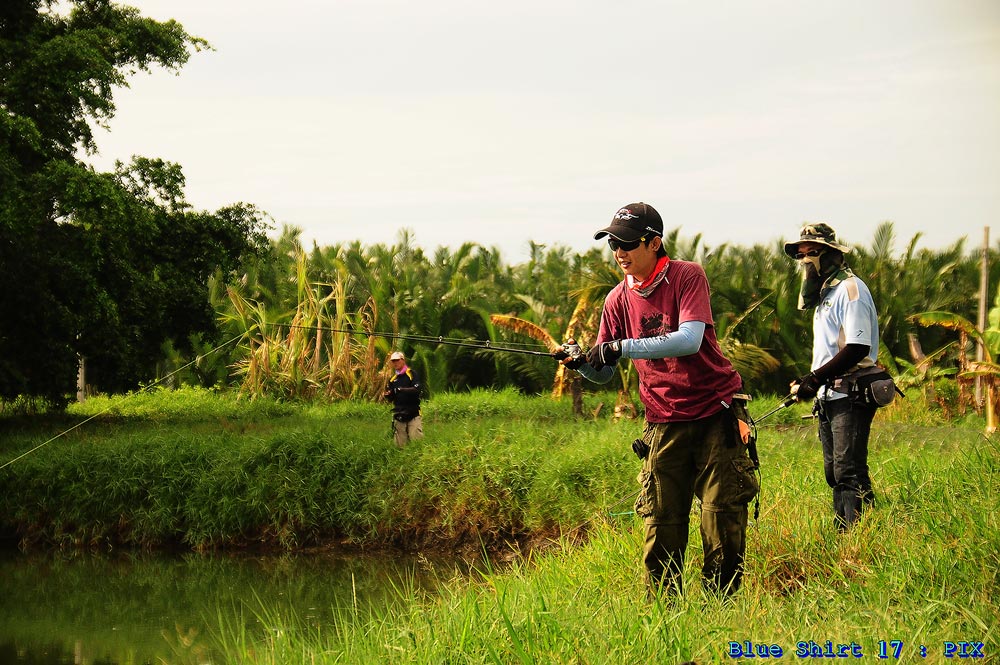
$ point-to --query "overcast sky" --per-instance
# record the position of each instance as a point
(506, 122)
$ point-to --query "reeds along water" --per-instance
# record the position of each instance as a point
(304, 356)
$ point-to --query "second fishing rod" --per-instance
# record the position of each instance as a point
(485, 345)
(569, 349)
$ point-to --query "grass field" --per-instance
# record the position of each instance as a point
(203, 471)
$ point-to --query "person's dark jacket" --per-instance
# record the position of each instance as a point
(404, 391)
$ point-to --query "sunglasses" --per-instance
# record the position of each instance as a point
(812, 253)
(624, 246)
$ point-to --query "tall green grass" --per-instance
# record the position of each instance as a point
(501, 471)
(199, 470)
(922, 568)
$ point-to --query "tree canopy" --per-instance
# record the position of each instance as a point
(107, 266)
(118, 268)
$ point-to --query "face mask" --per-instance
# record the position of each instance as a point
(811, 259)
(817, 273)
(809, 268)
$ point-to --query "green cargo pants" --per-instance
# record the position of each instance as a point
(704, 458)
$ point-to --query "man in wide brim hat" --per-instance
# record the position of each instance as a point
(845, 342)
(821, 234)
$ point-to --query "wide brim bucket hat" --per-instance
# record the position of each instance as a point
(821, 234)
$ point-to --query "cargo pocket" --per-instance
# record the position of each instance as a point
(645, 503)
(744, 432)
(747, 485)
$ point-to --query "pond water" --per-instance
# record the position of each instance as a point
(158, 608)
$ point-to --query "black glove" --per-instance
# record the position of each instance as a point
(808, 387)
(605, 353)
(575, 363)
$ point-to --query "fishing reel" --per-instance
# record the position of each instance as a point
(570, 349)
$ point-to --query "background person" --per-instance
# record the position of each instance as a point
(660, 316)
(404, 391)
(845, 339)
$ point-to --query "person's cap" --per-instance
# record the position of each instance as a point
(819, 233)
(633, 222)
(396, 355)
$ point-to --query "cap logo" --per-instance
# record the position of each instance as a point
(625, 214)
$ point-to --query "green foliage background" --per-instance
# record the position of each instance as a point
(399, 290)
(118, 268)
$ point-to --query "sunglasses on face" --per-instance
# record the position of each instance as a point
(624, 246)
(812, 253)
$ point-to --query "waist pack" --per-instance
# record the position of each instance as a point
(405, 416)
(870, 385)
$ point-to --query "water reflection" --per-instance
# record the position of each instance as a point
(156, 608)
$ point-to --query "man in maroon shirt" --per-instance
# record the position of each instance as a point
(660, 316)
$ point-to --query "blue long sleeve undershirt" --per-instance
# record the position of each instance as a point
(685, 341)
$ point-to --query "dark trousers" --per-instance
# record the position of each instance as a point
(844, 428)
(702, 458)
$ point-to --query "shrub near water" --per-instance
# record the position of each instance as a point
(200, 470)
(200, 477)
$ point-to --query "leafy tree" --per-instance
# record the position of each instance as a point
(108, 266)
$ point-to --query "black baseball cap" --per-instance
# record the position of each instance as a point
(633, 222)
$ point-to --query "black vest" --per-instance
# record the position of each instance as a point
(405, 389)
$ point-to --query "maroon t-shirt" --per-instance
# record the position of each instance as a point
(673, 389)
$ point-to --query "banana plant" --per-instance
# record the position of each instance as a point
(987, 369)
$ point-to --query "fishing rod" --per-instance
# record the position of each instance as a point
(485, 345)
(785, 404)
(475, 344)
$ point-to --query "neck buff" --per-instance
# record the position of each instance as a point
(832, 271)
(645, 287)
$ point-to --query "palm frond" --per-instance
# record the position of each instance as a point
(883, 241)
(947, 320)
(751, 361)
(524, 327)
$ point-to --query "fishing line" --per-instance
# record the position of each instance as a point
(113, 405)
(485, 345)
(628, 497)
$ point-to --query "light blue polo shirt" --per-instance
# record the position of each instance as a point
(845, 315)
